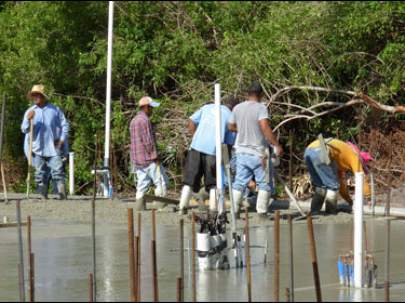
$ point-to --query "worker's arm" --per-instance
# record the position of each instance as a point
(343, 187)
(191, 126)
(269, 135)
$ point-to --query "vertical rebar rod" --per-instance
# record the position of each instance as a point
(291, 249)
(287, 295)
(32, 277)
(247, 253)
(90, 281)
(314, 259)
(136, 269)
(276, 286)
(179, 289)
(93, 222)
(131, 255)
(30, 259)
(193, 263)
(138, 257)
(20, 253)
(154, 259)
(181, 259)
(387, 249)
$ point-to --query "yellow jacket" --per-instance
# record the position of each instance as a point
(346, 159)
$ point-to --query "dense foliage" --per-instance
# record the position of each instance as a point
(174, 51)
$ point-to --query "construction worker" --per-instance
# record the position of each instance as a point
(250, 120)
(201, 159)
(50, 131)
(144, 156)
(328, 161)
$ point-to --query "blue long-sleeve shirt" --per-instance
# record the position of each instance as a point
(50, 126)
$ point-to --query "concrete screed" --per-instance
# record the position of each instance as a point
(62, 246)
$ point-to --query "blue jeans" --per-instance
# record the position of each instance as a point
(322, 175)
(44, 166)
(150, 174)
(247, 167)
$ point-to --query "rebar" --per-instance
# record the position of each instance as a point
(276, 289)
(314, 259)
(131, 255)
(154, 259)
(291, 249)
(247, 253)
(21, 276)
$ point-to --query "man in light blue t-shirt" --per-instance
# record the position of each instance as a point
(201, 160)
(250, 120)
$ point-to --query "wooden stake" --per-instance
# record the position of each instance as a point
(291, 249)
(193, 263)
(154, 259)
(276, 295)
(247, 253)
(314, 259)
(131, 255)
(179, 289)
(90, 287)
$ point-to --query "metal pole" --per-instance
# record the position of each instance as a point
(276, 295)
(131, 255)
(181, 259)
(218, 151)
(315, 269)
(136, 270)
(387, 249)
(291, 248)
(71, 173)
(3, 178)
(358, 231)
(193, 263)
(290, 162)
(93, 224)
(21, 275)
(154, 259)
(138, 256)
(108, 96)
(247, 252)
(32, 277)
(30, 258)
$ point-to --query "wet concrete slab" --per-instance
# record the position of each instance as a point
(63, 261)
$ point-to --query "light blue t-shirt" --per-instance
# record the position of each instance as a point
(204, 136)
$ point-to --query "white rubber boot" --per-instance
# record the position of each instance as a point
(213, 200)
(262, 202)
(185, 197)
(331, 202)
(237, 199)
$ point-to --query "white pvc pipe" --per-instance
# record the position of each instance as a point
(108, 84)
(218, 144)
(71, 174)
(108, 93)
(358, 230)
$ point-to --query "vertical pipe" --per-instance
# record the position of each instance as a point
(291, 248)
(3, 178)
(218, 151)
(131, 255)
(373, 198)
(138, 257)
(314, 260)
(358, 231)
(136, 269)
(179, 289)
(29, 244)
(247, 253)
(387, 248)
(108, 84)
(20, 253)
(90, 281)
(71, 173)
(32, 277)
(154, 259)
(93, 222)
(290, 161)
(193, 263)
(276, 289)
(181, 259)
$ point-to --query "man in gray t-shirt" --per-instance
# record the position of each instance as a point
(251, 122)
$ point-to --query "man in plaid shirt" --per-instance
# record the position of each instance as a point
(144, 158)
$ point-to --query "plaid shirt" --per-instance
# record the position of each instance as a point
(143, 146)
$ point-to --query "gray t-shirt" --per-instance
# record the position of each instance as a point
(249, 139)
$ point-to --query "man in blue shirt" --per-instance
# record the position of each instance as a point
(50, 133)
(201, 160)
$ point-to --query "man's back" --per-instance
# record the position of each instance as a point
(249, 138)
